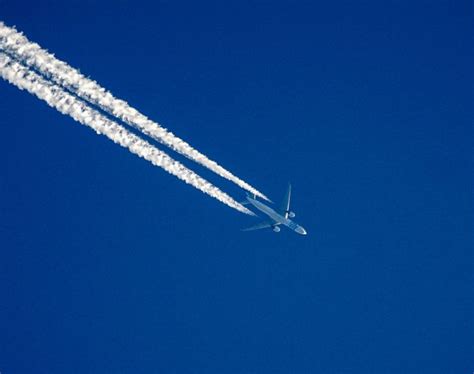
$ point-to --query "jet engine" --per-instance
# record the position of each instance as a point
(276, 229)
(291, 214)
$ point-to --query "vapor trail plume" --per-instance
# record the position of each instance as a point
(61, 73)
(65, 103)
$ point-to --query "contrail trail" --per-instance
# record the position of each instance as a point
(63, 74)
(66, 103)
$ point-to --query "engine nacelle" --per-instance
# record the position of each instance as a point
(291, 214)
(276, 229)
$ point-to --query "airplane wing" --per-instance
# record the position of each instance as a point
(258, 226)
(285, 206)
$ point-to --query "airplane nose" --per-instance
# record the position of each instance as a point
(301, 230)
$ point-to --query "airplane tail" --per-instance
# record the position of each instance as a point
(245, 202)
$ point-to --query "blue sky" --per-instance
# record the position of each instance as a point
(109, 264)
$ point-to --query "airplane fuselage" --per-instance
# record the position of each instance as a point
(276, 217)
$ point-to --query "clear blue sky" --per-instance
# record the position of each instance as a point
(108, 264)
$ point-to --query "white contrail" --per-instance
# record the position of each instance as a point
(68, 77)
(66, 103)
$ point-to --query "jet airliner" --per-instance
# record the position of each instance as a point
(276, 218)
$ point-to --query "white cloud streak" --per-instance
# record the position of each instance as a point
(63, 74)
(56, 97)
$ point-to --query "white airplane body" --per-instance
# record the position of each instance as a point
(276, 218)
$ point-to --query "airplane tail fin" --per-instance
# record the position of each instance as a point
(245, 202)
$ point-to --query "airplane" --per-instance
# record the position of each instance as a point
(277, 218)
